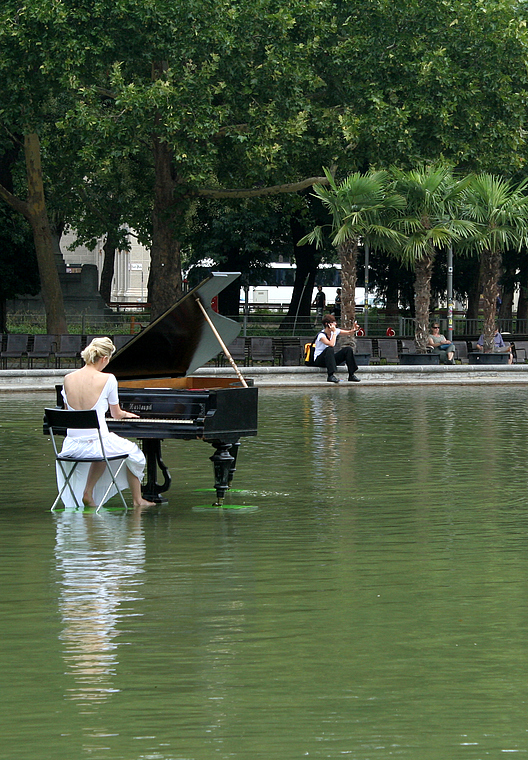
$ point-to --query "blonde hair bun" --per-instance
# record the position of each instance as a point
(97, 349)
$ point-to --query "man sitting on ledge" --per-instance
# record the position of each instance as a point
(499, 346)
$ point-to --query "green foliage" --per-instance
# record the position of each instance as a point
(431, 81)
(362, 205)
(253, 92)
(244, 236)
(432, 218)
(498, 210)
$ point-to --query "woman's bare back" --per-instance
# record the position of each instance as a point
(83, 387)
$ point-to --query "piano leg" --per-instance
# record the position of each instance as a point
(223, 463)
(151, 489)
(234, 453)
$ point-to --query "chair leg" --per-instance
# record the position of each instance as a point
(67, 479)
(66, 484)
(113, 477)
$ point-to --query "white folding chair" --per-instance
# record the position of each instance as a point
(58, 421)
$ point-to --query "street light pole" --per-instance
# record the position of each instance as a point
(450, 293)
(366, 245)
(246, 307)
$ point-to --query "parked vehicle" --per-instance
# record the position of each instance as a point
(277, 286)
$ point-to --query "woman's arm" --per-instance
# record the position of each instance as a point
(352, 331)
(120, 414)
(329, 341)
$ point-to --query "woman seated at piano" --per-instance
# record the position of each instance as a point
(91, 388)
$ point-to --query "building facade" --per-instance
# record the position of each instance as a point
(131, 269)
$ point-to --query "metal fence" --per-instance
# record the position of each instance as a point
(463, 327)
(84, 324)
(259, 322)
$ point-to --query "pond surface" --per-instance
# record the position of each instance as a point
(371, 602)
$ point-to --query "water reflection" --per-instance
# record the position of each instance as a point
(100, 561)
(374, 605)
(324, 420)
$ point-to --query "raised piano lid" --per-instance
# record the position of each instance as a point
(179, 341)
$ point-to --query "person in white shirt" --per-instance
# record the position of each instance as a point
(91, 388)
(325, 354)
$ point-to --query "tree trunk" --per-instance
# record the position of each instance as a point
(165, 281)
(506, 309)
(522, 305)
(422, 298)
(107, 273)
(490, 264)
(306, 262)
(3, 314)
(38, 218)
(7, 160)
(392, 290)
(509, 280)
(229, 298)
(348, 253)
(299, 309)
(472, 310)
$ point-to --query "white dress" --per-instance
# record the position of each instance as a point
(85, 443)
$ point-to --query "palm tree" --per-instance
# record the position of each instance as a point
(499, 211)
(430, 223)
(361, 207)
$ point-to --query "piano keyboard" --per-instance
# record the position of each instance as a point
(171, 421)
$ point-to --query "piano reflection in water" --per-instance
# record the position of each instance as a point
(153, 371)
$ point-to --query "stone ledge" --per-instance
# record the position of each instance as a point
(14, 380)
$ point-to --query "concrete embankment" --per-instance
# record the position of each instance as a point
(22, 380)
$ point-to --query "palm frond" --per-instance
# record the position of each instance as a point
(315, 236)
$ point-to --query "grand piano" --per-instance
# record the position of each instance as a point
(153, 371)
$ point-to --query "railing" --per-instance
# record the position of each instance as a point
(85, 324)
(463, 327)
(259, 322)
(279, 351)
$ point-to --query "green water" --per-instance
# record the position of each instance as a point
(374, 604)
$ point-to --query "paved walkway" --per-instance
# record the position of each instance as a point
(13, 380)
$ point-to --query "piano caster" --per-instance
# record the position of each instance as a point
(223, 463)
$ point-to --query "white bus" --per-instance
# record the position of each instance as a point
(277, 285)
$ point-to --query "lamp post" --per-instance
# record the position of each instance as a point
(246, 303)
(450, 293)
(366, 245)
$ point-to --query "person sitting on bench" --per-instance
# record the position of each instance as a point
(499, 346)
(437, 340)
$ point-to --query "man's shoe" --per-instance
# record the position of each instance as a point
(332, 379)
(354, 379)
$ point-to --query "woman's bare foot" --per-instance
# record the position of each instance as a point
(88, 501)
(144, 503)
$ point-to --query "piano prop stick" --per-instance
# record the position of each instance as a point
(222, 344)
